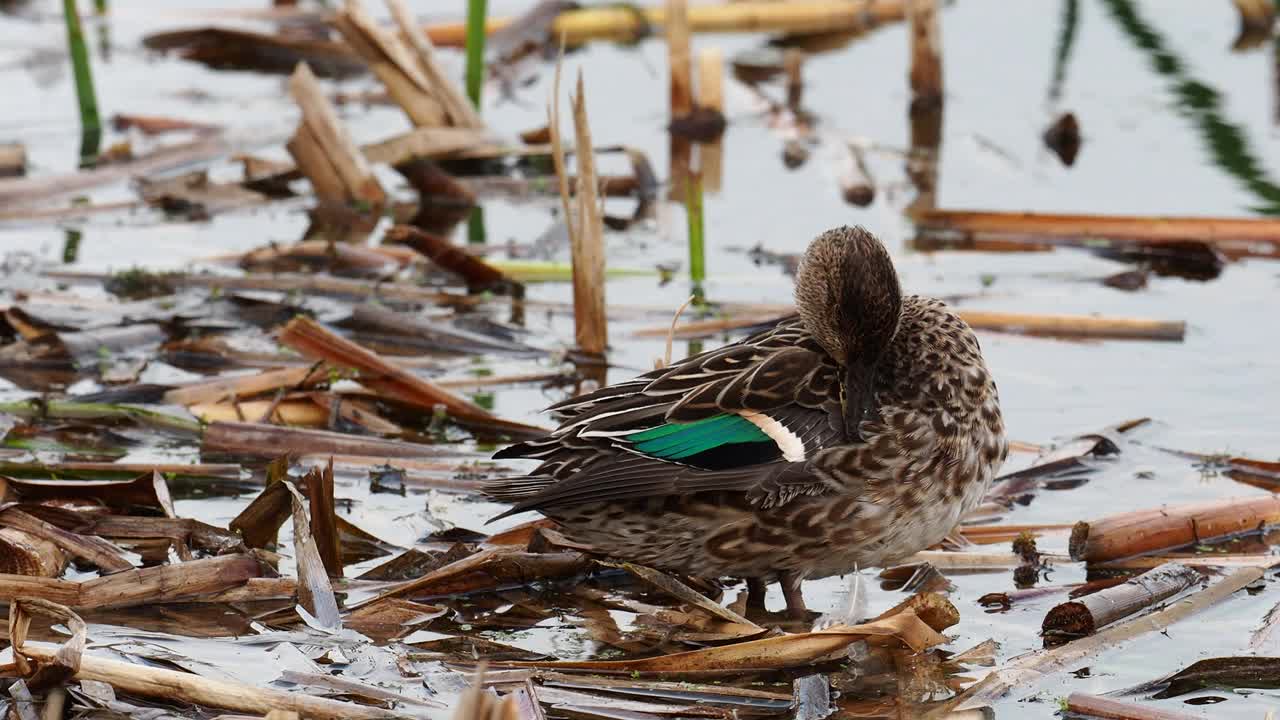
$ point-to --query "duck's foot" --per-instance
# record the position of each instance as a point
(790, 583)
(756, 589)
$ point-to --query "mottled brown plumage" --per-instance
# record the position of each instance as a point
(854, 434)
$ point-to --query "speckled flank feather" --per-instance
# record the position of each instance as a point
(792, 491)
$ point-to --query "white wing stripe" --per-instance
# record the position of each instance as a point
(788, 442)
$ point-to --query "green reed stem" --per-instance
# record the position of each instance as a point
(90, 124)
(476, 11)
(80, 63)
(476, 233)
(697, 249)
(71, 247)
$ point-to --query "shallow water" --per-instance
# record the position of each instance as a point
(1155, 143)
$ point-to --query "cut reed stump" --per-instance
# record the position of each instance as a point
(323, 149)
(1148, 531)
(620, 23)
(711, 97)
(926, 53)
(680, 69)
(1084, 616)
(13, 159)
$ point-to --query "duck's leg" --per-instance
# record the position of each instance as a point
(790, 582)
(756, 589)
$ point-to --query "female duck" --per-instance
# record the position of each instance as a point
(854, 434)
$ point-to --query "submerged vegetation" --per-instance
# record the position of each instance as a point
(258, 353)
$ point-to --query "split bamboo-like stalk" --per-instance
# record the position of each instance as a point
(314, 163)
(711, 96)
(926, 53)
(394, 65)
(758, 16)
(22, 553)
(1149, 531)
(211, 391)
(1234, 237)
(455, 103)
(315, 592)
(1084, 616)
(1096, 706)
(325, 131)
(313, 340)
(591, 322)
(324, 521)
(172, 685)
(101, 553)
(179, 582)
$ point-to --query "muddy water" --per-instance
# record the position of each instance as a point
(1174, 123)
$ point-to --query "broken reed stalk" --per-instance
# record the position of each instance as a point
(926, 53)
(1084, 616)
(1148, 531)
(966, 229)
(322, 147)
(1062, 326)
(213, 390)
(1029, 668)
(392, 63)
(89, 548)
(170, 685)
(245, 439)
(1096, 706)
(178, 582)
(476, 12)
(1082, 326)
(24, 553)
(90, 123)
(456, 104)
(620, 23)
(591, 322)
(313, 340)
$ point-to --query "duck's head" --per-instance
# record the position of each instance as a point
(848, 296)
